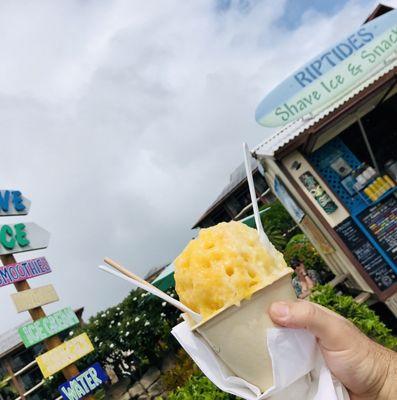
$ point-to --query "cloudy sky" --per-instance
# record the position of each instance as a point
(121, 120)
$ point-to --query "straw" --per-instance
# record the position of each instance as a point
(141, 283)
(258, 222)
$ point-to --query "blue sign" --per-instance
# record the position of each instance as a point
(84, 383)
(331, 74)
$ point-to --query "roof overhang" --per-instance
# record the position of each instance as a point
(306, 132)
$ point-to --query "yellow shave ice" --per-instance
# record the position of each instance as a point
(224, 265)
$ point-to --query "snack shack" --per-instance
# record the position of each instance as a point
(332, 159)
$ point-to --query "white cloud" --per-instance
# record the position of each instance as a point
(122, 120)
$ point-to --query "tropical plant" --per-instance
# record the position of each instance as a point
(360, 314)
(300, 247)
(198, 387)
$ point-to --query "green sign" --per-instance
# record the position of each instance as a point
(46, 327)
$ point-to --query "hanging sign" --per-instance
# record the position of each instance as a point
(32, 298)
(65, 354)
(13, 203)
(16, 238)
(84, 383)
(21, 271)
(46, 327)
(332, 74)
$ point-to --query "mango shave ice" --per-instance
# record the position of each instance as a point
(224, 265)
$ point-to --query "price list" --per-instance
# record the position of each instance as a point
(374, 265)
(381, 221)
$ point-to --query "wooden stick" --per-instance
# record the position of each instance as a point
(150, 288)
(128, 273)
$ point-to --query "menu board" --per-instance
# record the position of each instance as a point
(381, 221)
(373, 263)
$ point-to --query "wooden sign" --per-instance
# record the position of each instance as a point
(21, 271)
(64, 355)
(32, 298)
(84, 383)
(46, 327)
(13, 203)
(15, 238)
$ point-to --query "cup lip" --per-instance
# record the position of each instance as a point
(195, 326)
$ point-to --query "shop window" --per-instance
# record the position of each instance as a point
(21, 359)
(381, 128)
(31, 378)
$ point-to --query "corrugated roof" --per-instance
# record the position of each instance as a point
(236, 178)
(291, 131)
(9, 340)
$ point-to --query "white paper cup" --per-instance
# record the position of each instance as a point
(238, 333)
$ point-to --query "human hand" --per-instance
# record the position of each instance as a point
(368, 370)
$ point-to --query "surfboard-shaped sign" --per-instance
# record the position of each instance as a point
(332, 74)
(12, 202)
(16, 238)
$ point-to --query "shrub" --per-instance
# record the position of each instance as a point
(300, 247)
(128, 337)
(360, 314)
(199, 388)
(278, 218)
(178, 376)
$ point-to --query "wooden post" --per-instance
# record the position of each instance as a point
(36, 313)
(16, 381)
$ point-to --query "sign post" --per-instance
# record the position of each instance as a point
(15, 238)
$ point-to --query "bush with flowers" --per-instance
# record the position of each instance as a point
(130, 336)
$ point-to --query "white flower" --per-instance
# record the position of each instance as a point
(111, 322)
(71, 333)
(118, 323)
(111, 345)
(51, 378)
(135, 299)
(103, 315)
(100, 344)
(147, 323)
(143, 294)
(164, 303)
(137, 319)
(96, 339)
(118, 308)
(96, 322)
(128, 322)
(121, 312)
(162, 315)
(127, 334)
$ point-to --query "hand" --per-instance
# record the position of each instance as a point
(368, 370)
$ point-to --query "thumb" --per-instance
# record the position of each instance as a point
(332, 330)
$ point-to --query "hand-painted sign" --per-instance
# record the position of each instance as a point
(13, 203)
(15, 238)
(317, 191)
(32, 298)
(332, 74)
(23, 270)
(46, 327)
(65, 354)
(84, 383)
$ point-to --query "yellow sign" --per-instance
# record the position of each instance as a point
(32, 298)
(65, 354)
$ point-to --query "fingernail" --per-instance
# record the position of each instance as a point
(279, 309)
